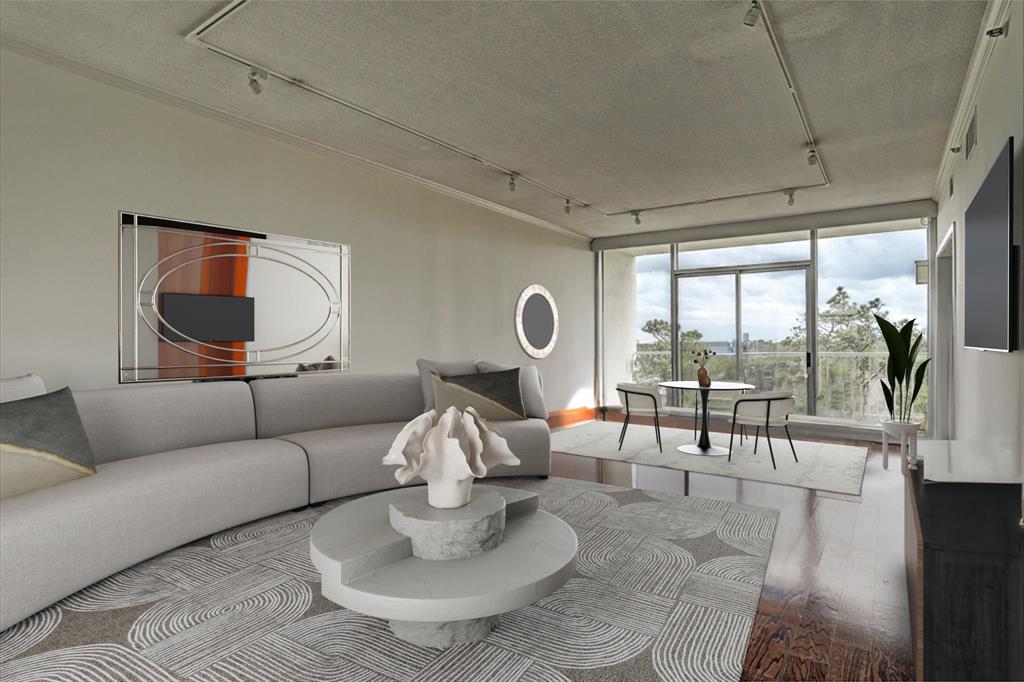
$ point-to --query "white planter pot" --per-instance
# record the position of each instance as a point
(906, 433)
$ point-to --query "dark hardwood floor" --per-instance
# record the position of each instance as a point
(834, 604)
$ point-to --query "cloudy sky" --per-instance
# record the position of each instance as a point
(867, 266)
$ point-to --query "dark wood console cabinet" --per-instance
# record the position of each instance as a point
(964, 555)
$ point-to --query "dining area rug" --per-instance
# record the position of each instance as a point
(828, 467)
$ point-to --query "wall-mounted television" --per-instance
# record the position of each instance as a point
(200, 317)
(990, 277)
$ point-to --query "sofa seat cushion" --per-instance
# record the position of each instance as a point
(347, 460)
(530, 441)
(61, 539)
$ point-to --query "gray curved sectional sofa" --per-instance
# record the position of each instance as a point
(176, 462)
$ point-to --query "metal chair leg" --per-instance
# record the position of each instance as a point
(622, 436)
(757, 434)
(695, 401)
(768, 437)
(657, 430)
(732, 432)
(791, 444)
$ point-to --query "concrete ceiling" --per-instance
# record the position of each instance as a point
(618, 105)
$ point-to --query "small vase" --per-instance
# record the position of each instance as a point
(703, 378)
(448, 493)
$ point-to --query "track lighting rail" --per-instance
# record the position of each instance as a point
(196, 37)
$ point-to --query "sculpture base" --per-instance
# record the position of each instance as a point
(451, 533)
(444, 634)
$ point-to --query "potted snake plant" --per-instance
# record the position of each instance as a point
(904, 381)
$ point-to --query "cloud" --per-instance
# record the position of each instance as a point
(872, 256)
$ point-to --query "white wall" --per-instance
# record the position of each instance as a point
(988, 390)
(432, 276)
(619, 321)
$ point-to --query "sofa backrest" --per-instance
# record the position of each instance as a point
(307, 403)
(19, 388)
(132, 421)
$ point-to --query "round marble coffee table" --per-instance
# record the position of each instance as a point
(369, 567)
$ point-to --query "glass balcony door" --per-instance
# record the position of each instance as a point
(754, 318)
(773, 332)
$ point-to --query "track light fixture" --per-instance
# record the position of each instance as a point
(257, 78)
(791, 193)
(998, 31)
(254, 80)
(752, 15)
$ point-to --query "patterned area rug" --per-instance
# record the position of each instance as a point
(821, 466)
(667, 589)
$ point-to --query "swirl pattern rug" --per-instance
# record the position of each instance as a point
(667, 589)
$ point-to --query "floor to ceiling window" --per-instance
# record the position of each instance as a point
(751, 300)
(865, 270)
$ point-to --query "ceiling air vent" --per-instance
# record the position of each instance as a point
(971, 138)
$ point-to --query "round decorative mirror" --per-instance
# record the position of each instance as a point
(536, 321)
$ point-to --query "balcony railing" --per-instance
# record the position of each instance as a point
(848, 381)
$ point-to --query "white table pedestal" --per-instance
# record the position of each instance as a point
(906, 433)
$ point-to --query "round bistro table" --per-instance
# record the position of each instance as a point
(704, 446)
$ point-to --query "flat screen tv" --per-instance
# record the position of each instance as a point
(207, 318)
(990, 278)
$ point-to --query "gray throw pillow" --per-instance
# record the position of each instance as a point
(42, 443)
(442, 369)
(494, 395)
(531, 385)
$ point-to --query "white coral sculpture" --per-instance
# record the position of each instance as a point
(448, 452)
